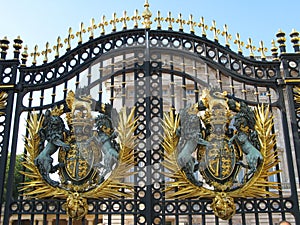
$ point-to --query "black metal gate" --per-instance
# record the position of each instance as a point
(155, 71)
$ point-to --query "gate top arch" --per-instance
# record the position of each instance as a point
(171, 26)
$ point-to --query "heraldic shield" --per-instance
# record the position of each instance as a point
(94, 153)
(219, 148)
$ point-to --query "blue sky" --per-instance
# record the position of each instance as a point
(40, 21)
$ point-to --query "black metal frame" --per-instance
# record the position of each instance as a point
(149, 205)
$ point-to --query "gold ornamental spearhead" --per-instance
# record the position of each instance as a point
(147, 16)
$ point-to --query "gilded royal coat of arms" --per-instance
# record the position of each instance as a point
(220, 148)
(94, 153)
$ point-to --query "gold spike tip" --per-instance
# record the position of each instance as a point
(146, 4)
(147, 15)
(274, 47)
(17, 43)
(294, 33)
(18, 40)
(280, 33)
(4, 44)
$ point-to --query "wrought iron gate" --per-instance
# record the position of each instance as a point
(155, 71)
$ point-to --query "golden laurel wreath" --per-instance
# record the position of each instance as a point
(181, 187)
(111, 187)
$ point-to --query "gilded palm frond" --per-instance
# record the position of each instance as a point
(297, 96)
(3, 98)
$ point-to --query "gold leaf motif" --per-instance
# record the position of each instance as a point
(297, 96)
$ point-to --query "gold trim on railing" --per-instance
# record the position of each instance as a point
(147, 16)
(239, 43)
(135, 18)
(192, 24)
(227, 36)
(146, 21)
(57, 47)
(215, 30)
(180, 21)
(158, 19)
(69, 39)
(251, 47)
(203, 26)
(103, 24)
(45, 52)
(91, 28)
(262, 50)
(35, 54)
(80, 32)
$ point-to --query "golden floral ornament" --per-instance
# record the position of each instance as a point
(94, 155)
(204, 157)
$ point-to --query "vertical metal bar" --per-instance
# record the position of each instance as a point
(12, 160)
(123, 85)
(100, 92)
(8, 114)
(112, 83)
(172, 84)
(53, 95)
(184, 91)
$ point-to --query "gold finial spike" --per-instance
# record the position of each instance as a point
(69, 39)
(24, 56)
(4, 45)
(274, 50)
(92, 28)
(281, 40)
(103, 24)
(57, 47)
(215, 30)
(135, 18)
(226, 35)
(124, 20)
(158, 19)
(262, 50)
(17, 46)
(203, 26)
(180, 21)
(80, 32)
(250, 47)
(17, 43)
(147, 16)
(170, 20)
(113, 22)
(192, 24)
(35, 54)
(45, 53)
(239, 43)
(295, 40)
